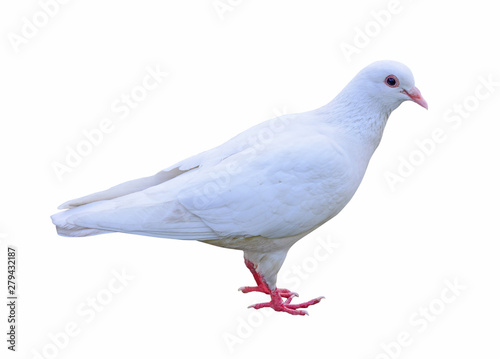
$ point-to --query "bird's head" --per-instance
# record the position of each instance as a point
(389, 83)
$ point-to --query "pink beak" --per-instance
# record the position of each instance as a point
(415, 95)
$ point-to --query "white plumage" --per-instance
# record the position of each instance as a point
(262, 190)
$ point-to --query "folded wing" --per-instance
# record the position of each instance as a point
(282, 188)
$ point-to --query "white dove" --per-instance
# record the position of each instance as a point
(263, 190)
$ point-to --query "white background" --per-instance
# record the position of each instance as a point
(393, 248)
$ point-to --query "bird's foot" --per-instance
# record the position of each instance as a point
(262, 285)
(280, 305)
(262, 288)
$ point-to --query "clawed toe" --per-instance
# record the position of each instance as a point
(280, 305)
(284, 293)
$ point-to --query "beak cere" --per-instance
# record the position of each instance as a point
(415, 95)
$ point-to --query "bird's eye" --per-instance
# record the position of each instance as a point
(392, 81)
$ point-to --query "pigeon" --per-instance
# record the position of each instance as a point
(264, 189)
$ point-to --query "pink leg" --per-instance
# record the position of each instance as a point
(277, 303)
(261, 284)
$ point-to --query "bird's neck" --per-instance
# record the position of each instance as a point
(359, 116)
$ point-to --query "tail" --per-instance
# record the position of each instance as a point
(146, 206)
(149, 214)
(66, 229)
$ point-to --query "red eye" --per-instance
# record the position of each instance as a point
(392, 81)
